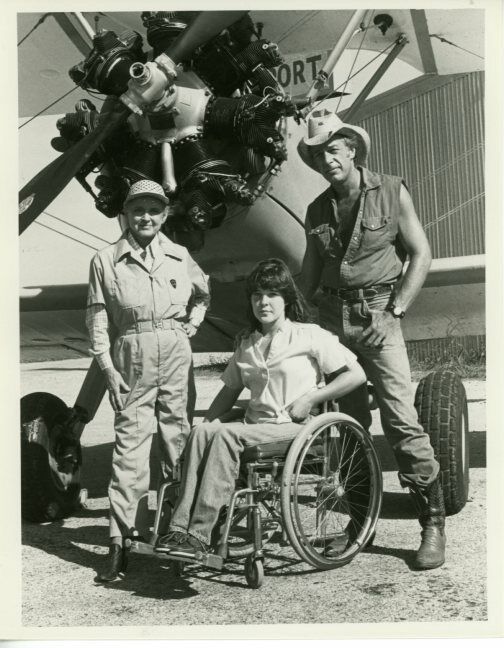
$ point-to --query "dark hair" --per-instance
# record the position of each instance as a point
(273, 274)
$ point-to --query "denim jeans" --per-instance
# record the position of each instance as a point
(387, 367)
(210, 468)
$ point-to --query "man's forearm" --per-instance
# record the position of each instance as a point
(308, 285)
(413, 280)
(311, 273)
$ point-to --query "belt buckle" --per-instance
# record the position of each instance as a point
(158, 325)
(351, 294)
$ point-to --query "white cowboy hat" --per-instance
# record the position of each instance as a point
(323, 125)
(146, 188)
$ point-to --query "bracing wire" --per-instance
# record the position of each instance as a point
(300, 23)
(65, 235)
(332, 93)
(47, 107)
(113, 19)
(59, 99)
(80, 229)
(444, 40)
(364, 34)
(40, 21)
(37, 24)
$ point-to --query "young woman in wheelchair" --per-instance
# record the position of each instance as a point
(281, 359)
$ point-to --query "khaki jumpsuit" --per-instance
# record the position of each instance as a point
(152, 352)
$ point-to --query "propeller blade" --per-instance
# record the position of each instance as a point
(206, 25)
(41, 190)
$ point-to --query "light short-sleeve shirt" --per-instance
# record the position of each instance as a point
(299, 357)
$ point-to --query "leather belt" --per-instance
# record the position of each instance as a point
(356, 294)
(148, 326)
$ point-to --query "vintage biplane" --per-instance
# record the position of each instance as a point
(199, 102)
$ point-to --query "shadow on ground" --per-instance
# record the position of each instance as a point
(97, 459)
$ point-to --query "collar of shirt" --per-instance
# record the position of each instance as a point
(151, 249)
(285, 327)
(258, 340)
(271, 393)
(369, 180)
(145, 255)
(128, 245)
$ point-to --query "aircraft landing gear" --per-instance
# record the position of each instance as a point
(441, 404)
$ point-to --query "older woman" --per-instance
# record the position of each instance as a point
(282, 360)
(146, 298)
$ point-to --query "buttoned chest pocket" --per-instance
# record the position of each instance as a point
(127, 288)
(323, 235)
(375, 232)
(176, 281)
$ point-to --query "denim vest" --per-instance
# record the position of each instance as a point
(374, 254)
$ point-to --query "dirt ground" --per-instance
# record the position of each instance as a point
(60, 559)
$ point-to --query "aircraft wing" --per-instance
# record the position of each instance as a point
(297, 31)
(52, 317)
(52, 322)
(59, 42)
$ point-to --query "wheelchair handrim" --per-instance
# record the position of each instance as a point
(305, 545)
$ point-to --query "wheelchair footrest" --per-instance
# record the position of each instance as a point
(199, 558)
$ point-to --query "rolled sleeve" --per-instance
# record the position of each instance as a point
(330, 354)
(97, 323)
(232, 375)
(199, 281)
(95, 287)
(200, 289)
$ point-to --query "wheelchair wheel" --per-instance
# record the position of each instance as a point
(331, 491)
(254, 572)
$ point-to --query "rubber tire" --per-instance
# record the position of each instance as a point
(254, 572)
(46, 493)
(309, 433)
(441, 403)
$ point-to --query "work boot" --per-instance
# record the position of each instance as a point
(117, 564)
(430, 505)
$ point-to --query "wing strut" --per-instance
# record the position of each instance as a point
(321, 79)
(385, 64)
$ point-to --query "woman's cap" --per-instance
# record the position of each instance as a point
(146, 188)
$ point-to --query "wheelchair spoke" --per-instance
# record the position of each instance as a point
(332, 503)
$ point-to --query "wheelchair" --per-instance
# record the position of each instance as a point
(321, 491)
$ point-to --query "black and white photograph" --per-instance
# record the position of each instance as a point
(252, 366)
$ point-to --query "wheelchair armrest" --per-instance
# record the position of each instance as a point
(234, 414)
